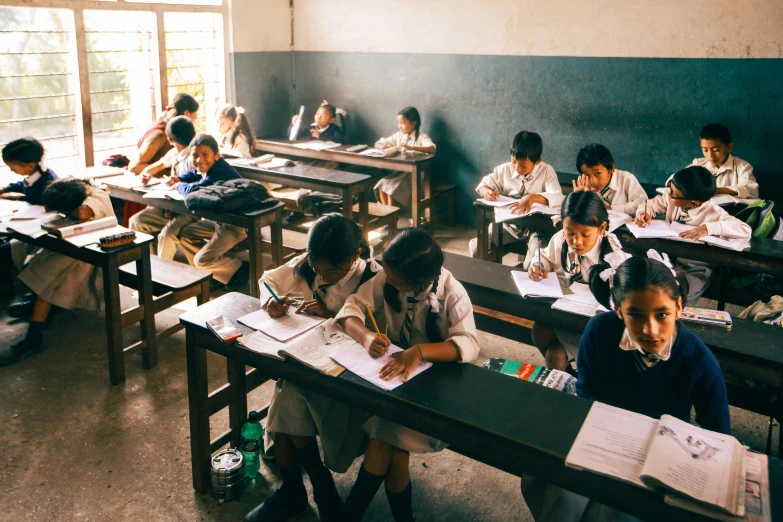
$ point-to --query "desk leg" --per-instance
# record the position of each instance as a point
(276, 231)
(497, 234)
(198, 396)
(415, 202)
(149, 353)
(347, 195)
(364, 210)
(111, 297)
(482, 241)
(256, 256)
(237, 406)
(427, 196)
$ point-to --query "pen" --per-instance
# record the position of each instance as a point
(372, 318)
(539, 255)
(277, 299)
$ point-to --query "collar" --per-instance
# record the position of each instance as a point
(628, 344)
(515, 174)
(32, 178)
(728, 165)
(614, 183)
(321, 129)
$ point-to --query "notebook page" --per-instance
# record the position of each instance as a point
(501, 201)
(356, 360)
(282, 328)
(618, 219)
(261, 343)
(656, 228)
(503, 214)
(548, 287)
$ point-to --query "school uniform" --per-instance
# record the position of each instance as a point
(614, 370)
(718, 223)
(624, 193)
(454, 322)
(205, 242)
(64, 281)
(577, 270)
(399, 185)
(735, 174)
(33, 186)
(240, 146)
(506, 180)
(331, 132)
(298, 411)
(166, 224)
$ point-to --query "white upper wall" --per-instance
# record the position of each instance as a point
(609, 28)
(260, 25)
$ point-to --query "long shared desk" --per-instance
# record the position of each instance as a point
(515, 426)
(419, 166)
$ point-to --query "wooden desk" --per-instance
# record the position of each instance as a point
(253, 222)
(485, 216)
(419, 166)
(345, 184)
(109, 262)
(507, 423)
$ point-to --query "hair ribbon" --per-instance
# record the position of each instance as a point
(663, 258)
(240, 110)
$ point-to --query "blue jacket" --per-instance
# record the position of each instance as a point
(690, 377)
(220, 171)
(332, 133)
(33, 194)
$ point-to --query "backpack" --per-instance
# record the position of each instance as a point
(761, 217)
(233, 195)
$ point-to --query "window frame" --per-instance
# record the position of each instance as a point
(83, 102)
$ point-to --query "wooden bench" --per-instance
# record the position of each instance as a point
(172, 283)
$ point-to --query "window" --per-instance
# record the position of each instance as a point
(124, 93)
(194, 60)
(39, 83)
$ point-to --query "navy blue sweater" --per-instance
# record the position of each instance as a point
(34, 193)
(332, 133)
(220, 171)
(691, 376)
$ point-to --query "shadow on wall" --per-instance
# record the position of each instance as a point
(451, 164)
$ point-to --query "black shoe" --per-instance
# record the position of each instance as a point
(240, 277)
(21, 308)
(280, 506)
(21, 351)
(293, 217)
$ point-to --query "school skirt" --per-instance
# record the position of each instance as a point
(64, 281)
(398, 186)
(305, 413)
(402, 437)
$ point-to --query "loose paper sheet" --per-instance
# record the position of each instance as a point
(356, 360)
(654, 229)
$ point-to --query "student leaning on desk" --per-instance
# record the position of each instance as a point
(638, 357)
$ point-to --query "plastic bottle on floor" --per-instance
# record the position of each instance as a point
(252, 439)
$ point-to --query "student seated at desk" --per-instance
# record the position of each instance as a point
(323, 128)
(525, 177)
(397, 187)
(336, 264)
(177, 162)
(687, 201)
(619, 189)
(733, 176)
(236, 134)
(56, 279)
(583, 242)
(638, 357)
(24, 157)
(427, 313)
(209, 167)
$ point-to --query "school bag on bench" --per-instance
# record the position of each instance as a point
(765, 223)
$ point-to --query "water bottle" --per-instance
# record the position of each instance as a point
(252, 438)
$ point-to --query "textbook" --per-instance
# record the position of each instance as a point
(281, 328)
(312, 349)
(738, 244)
(706, 316)
(355, 358)
(548, 287)
(546, 377)
(666, 454)
(378, 153)
(724, 199)
(580, 301)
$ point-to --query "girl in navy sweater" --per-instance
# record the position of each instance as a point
(640, 358)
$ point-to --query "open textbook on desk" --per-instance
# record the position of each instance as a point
(667, 454)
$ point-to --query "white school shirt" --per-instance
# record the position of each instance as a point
(239, 147)
(179, 162)
(542, 180)
(717, 220)
(285, 282)
(454, 321)
(410, 140)
(624, 193)
(551, 256)
(735, 173)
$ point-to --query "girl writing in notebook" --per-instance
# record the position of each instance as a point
(583, 242)
(397, 187)
(641, 358)
(56, 279)
(427, 312)
(236, 134)
(336, 264)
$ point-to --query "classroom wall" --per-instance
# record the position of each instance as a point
(640, 77)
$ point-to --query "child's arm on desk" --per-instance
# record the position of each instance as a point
(406, 361)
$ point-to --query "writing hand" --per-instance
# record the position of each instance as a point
(535, 273)
(403, 362)
(275, 309)
(489, 194)
(173, 180)
(376, 346)
(643, 219)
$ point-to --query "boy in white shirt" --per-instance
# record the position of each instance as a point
(619, 189)
(180, 132)
(686, 200)
(733, 176)
(526, 178)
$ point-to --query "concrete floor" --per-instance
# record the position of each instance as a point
(74, 448)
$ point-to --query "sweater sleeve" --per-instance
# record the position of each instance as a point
(709, 397)
(585, 362)
(17, 186)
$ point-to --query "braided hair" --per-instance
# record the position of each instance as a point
(412, 115)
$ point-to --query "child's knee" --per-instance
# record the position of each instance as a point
(542, 334)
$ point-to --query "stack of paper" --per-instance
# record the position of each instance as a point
(356, 360)
(281, 328)
(548, 287)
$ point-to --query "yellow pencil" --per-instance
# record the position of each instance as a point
(372, 318)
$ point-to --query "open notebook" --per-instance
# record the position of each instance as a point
(548, 287)
(668, 454)
(284, 328)
(503, 214)
(356, 359)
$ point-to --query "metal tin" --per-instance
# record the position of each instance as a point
(228, 475)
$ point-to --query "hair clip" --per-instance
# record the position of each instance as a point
(240, 110)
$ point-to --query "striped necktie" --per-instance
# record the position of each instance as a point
(605, 194)
(405, 330)
(575, 270)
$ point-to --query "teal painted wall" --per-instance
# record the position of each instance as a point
(648, 111)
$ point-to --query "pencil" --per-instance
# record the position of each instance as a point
(277, 299)
(372, 318)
